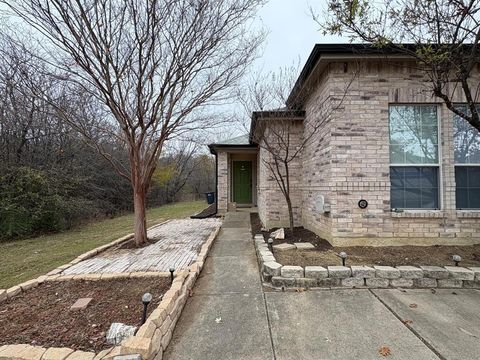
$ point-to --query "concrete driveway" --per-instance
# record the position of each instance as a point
(231, 316)
(355, 324)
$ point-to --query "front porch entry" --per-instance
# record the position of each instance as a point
(242, 182)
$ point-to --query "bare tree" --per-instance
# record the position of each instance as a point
(153, 66)
(441, 35)
(281, 133)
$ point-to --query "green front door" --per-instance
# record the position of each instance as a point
(242, 182)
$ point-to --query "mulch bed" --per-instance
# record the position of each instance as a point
(42, 315)
(325, 254)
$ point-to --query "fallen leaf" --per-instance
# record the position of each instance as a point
(218, 320)
(433, 291)
(413, 306)
(407, 322)
(385, 351)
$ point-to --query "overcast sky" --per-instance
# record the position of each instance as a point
(292, 33)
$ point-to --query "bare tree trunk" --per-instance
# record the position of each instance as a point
(140, 216)
(290, 212)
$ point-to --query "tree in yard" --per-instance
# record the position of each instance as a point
(152, 68)
(282, 134)
(441, 35)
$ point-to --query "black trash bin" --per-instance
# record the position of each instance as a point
(210, 197)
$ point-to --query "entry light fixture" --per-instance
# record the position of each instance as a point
(146, 299)
(456, 259)
(343, 255)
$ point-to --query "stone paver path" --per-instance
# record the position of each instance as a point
(178, 245)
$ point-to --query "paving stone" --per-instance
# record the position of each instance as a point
(401, 283)
(435, 272)
(81, 304)
(425, 283)
(290, 271)
(339, 272)
(410, 272)
(377, 283)
(269, 258)
(306, 282)
(450, 283)
(272, 268)
(304, 246)
(353, 282)
(57, 353)
(362, 271)
(460, 273)
(316, 272)
(476, 270)
(279, 281)
(386, 272)
(3, 294)
(284, 247)
(29, 284)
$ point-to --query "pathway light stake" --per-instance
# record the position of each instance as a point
(270, 244)
(456, 259)
(146, 299)
(172, 270)
(343, 255)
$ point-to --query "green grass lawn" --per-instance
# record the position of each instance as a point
(26, 259)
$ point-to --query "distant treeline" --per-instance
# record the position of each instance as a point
(51, 179)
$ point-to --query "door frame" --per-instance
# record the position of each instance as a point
(232, 192)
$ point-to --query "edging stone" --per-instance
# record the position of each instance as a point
(360, 276)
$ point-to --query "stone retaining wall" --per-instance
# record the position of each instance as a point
(286, 276)
(151, 339)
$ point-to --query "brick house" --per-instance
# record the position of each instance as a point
(391, 166)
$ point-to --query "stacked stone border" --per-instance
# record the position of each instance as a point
(151, 339)
(281, 276)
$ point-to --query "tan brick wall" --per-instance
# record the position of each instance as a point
(223, 181)
(350, 161)
(273, 210)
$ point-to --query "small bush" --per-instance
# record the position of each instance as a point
(34, 201)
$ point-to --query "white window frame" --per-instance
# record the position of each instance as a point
(455, 164)
(438, 165)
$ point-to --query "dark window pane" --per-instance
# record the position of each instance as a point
(397, 177)
(412, 177)
(396, 198)
(462, 198)
(413, 198)
(430, 198)
(418, 190)
(461, 176)
(467, 180)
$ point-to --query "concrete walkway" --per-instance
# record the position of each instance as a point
(230, 316)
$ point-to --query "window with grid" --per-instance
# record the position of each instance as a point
(414, 157)
(466, 140)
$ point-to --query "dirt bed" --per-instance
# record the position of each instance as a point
(325, 254)
(42, 316)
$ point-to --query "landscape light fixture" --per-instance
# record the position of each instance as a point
(270, 244)
(146, 299)
(172, 270)
(343, 255)
(456, 259)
